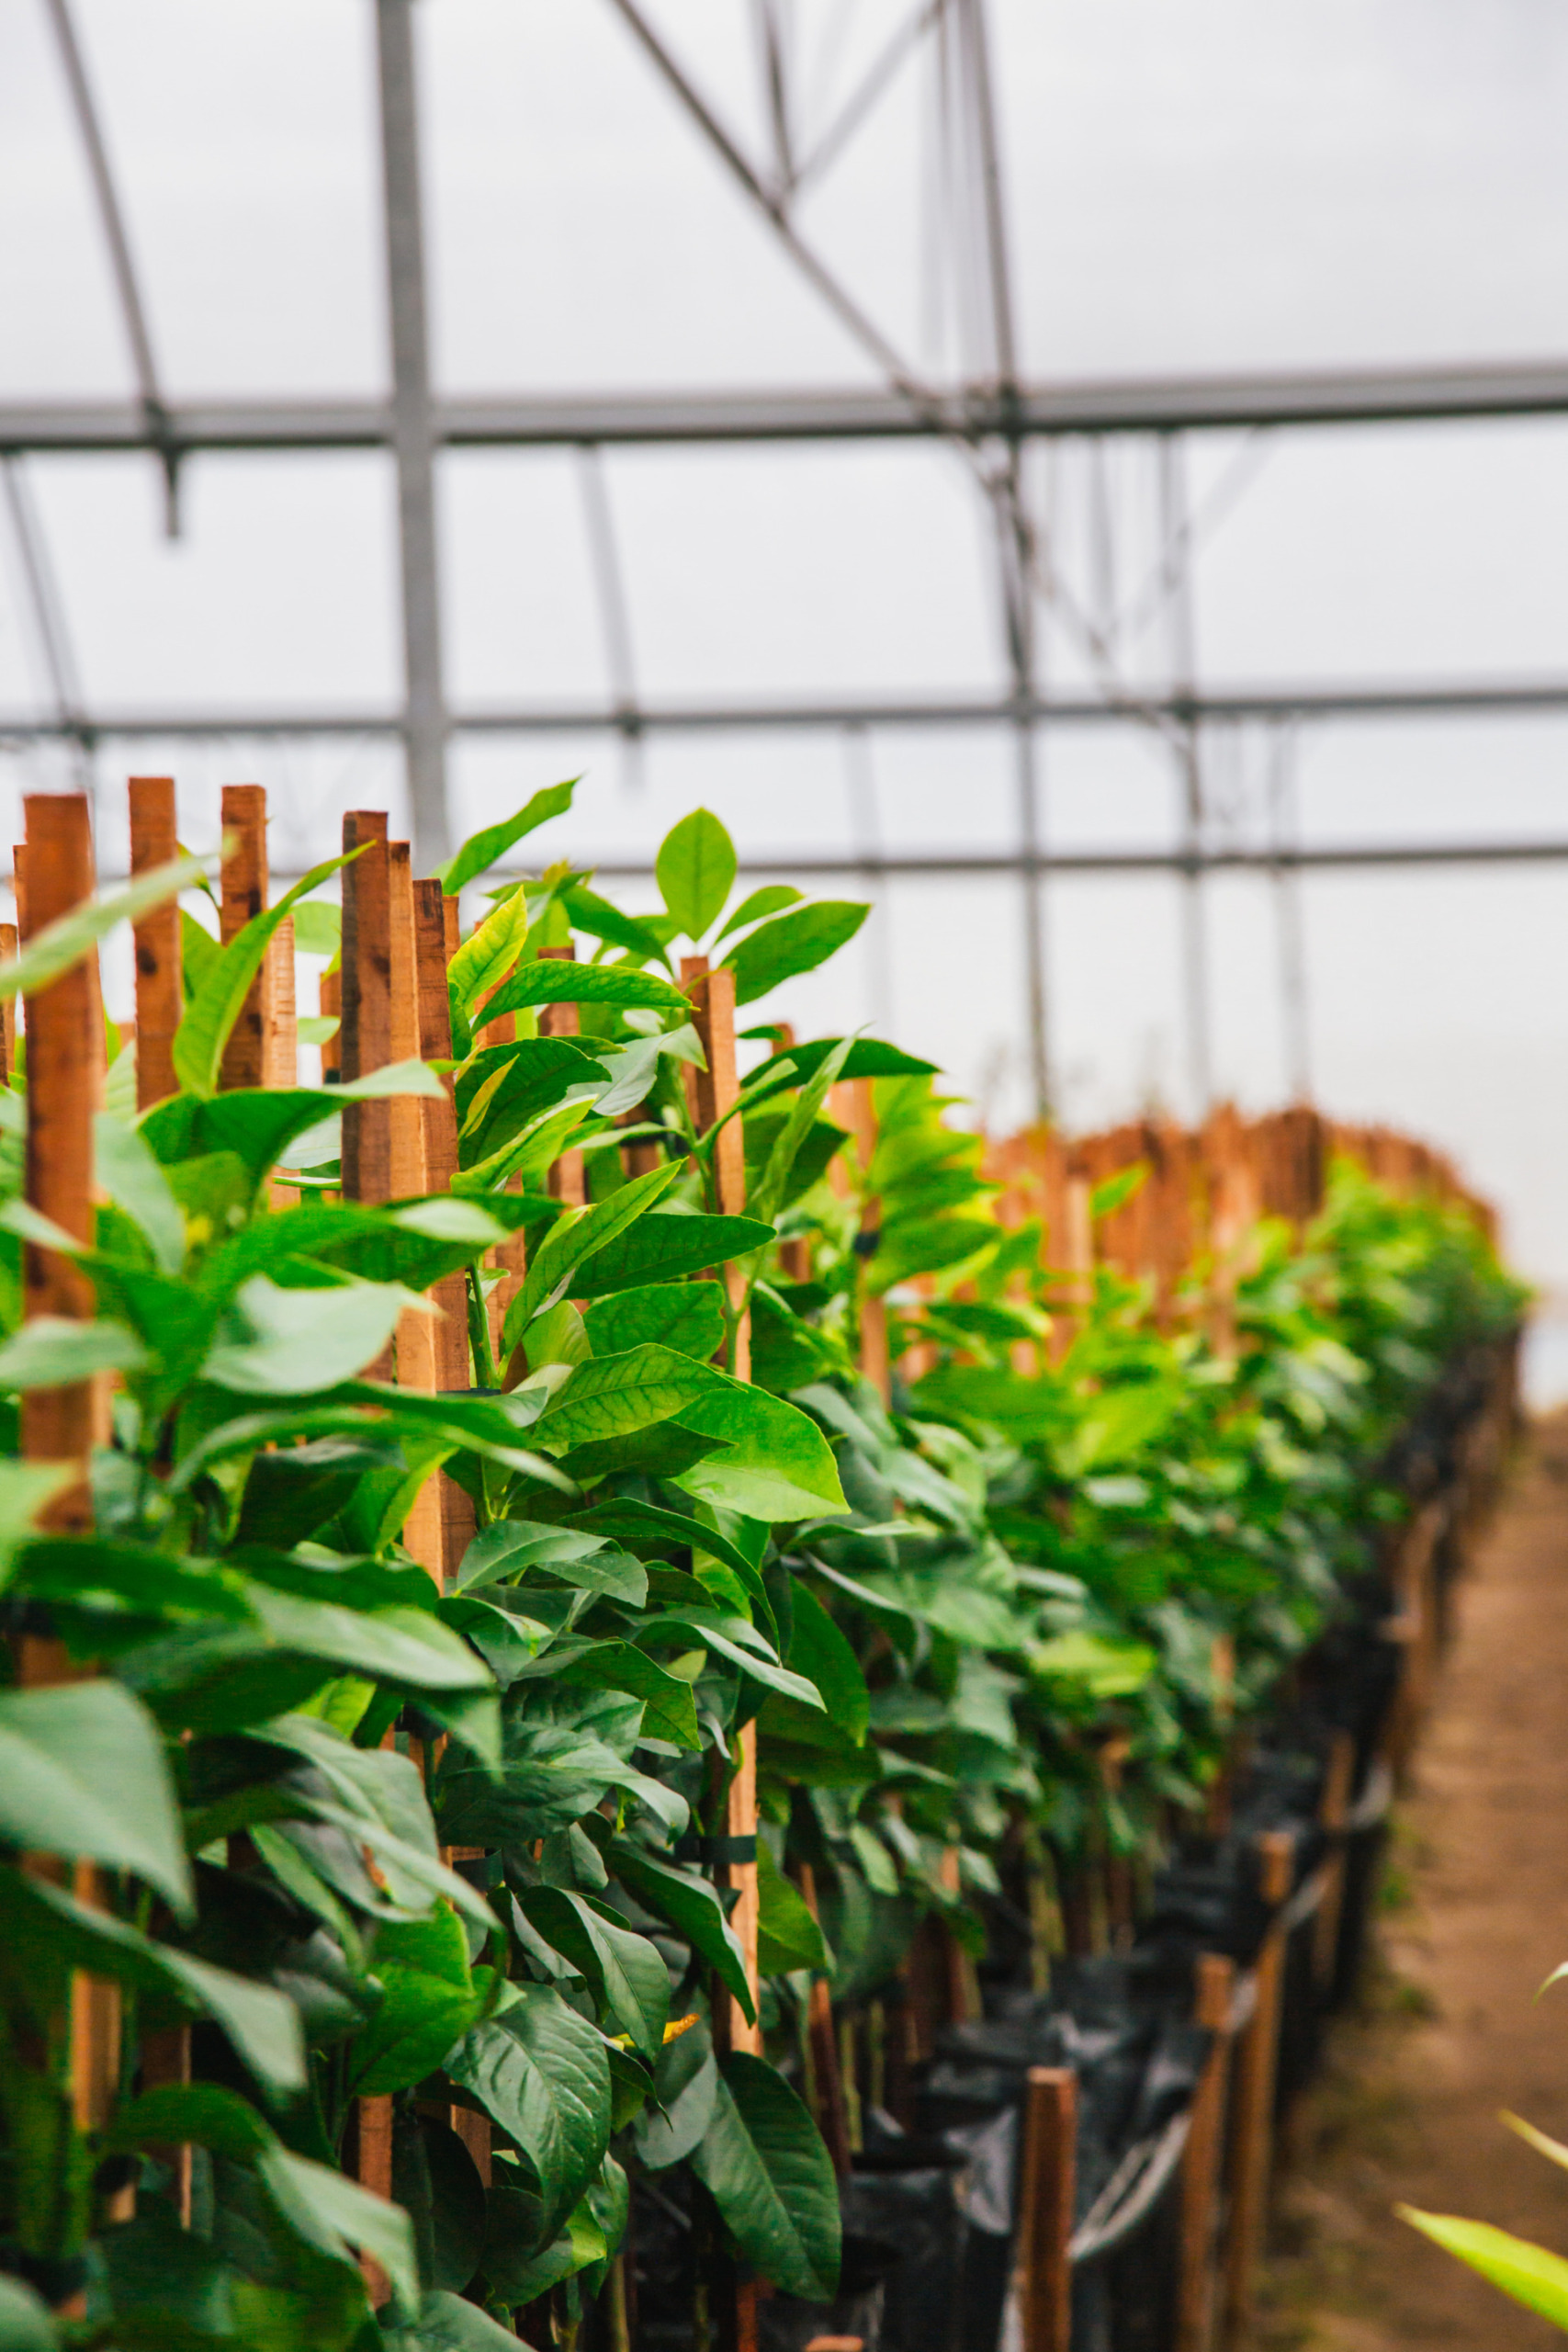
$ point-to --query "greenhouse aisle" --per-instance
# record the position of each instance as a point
(1476, 1916)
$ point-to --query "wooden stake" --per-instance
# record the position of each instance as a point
(1333, 1814)
(280, 1046)
(366, 1032)
(64, 1059)
(8, 1009)
(568, 1178)
(160, 994)
(245, 888)
(833, 2110)
(1043, 2278)
(374, 2171)
(1200, 2158)
(1252, 2131)
(853, 1107)
(710, 1093)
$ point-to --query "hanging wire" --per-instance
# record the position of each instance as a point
(53, 638)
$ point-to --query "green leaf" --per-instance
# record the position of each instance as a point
(664, 1246)
(198, 952)
(659, 1529)
(787, 1936)
(447, 2323)
(25, 2322)
(776, 1464)
(301, 1341)
(685, 2083)
(514, 2277)
(628, 1978)
(687, 1316)
(695, 869)
(67, 941)
(868, 1057)
(257, 1127)
(1529, 2273)
(691, 1906)
(553, 981)
(792, 943)
(318, 928)
(48, 1933)
(487, 955)
(575, 1240)
(319, 2201)
(128, 1172)
(52, 1352)
(802, 1119)
(481, 851)
(540, 2072)
(428, 2002)
(768, 901)
(763, 2161)
(600, 920)
(82, 1773)
(819, 1651)
(212, 1014)
(609, 1396)
(668, 1709)
(513, 1546)
(735, 1639)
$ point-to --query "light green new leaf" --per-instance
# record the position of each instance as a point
(82, 1773)
(769, 900)
(210, 1016)
(317, 929)
(791, 943)
(554, 981)
(67, 941)
(664, 1246)
(26, 2324)
(484, 959)
(479, 852)
(803, 1115)
(695, 869)
(1529, 2273)
(52, 1352)
(574, 1240)
(763, 2161)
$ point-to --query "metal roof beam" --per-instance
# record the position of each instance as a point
(1368, 396)
(1375, 699)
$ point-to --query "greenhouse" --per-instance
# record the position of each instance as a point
(781, 1054)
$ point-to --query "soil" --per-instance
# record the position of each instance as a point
(1475, 1915)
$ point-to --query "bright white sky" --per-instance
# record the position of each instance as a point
(1194, 186)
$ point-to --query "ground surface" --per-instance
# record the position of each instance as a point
(1475, 1914)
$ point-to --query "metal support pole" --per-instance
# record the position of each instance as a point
(413, 438)
(1194, 910)
(1287, 915)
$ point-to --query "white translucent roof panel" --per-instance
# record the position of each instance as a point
(243, 144)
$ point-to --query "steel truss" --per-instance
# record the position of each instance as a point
(988, 418)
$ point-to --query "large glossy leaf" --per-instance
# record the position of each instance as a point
(540, 2072)
(819, 1651)
(609, 1396)
(481, 851)
(428, 2001)
(82, 1773)
(669, 1709)
(792, 942)
(48, 1933)
(687, 1316)
(629, 1981)
(867, 1057)
(734, 1639)
(447, 2323)
(298, 1342)
(768, 901)
(514, 1547)
(787, 1935)
(695, 871)
(212, 1014)
(691, 1906)
(776, 1464)
(258, 1125)
(763, 2162)
(663, 1247)
(575, 1241)
(552, 1774)
(686, 2081)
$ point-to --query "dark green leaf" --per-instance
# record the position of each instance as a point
(763, 2161)
(691, 1906)
(687, 1316)
(663, 1245)
(82, 1774)
(540, 2072)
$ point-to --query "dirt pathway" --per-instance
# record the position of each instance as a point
(1475, 1916)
